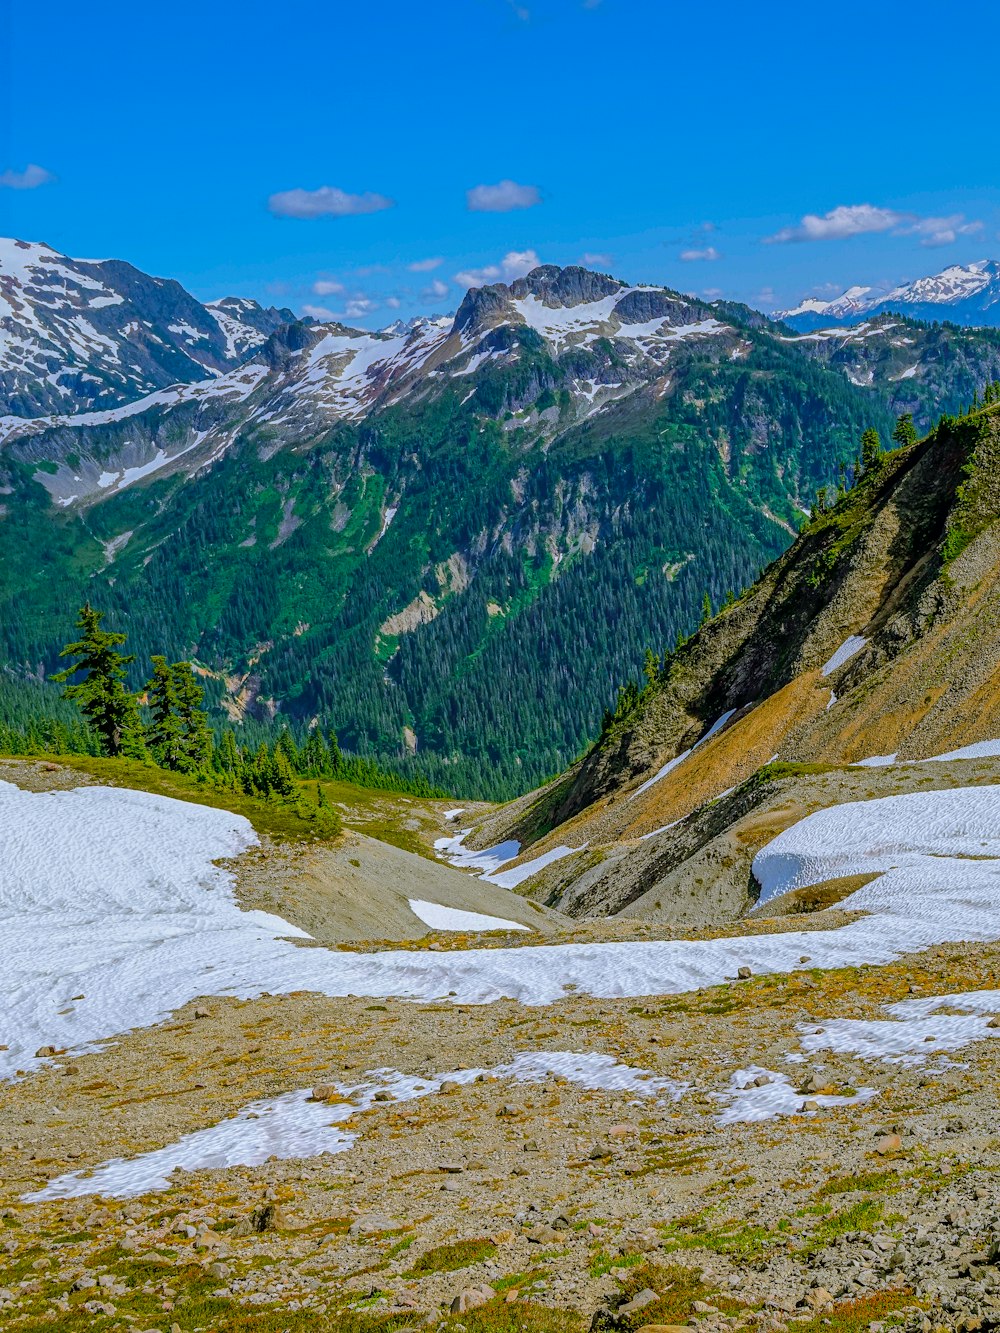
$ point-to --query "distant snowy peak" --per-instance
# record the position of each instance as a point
(953, 285)
(967, 294)
(78, 334)
(848, 303)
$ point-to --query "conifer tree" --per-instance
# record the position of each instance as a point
(196, 738)
(164, 734)
(871, 448)
(102, 696)
(905, 432)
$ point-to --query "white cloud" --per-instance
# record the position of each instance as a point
(393, 302)
(318, 312)
(327, 287)
(503, 197)
(845, 220)
(591, 257)
(359, 306)
(435, 292)
(29, 179)
(692, 256)
(864, 219)
(515, 264)
(941, 231)
(425, 265)
(327, 201)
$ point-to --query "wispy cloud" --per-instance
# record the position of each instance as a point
(359, 306)
(515, 264)
(942, 231)
(29, 179)
(327, 201)
(592, 257)
(503, 197)
(318, 312)
(435, 292)
(866, 219)
(425, 265)
(327, 287)
(709, 254)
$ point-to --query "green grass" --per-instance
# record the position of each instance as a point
(279, 821)
(448, 1258)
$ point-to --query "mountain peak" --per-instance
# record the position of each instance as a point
(966, 294)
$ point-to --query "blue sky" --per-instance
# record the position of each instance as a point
(366, 159)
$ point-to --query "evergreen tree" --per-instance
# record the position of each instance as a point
(164, 734)
(336, 757)
(905, 432)
(196, 739)
(102, 696)
(706, 607)
(871, 448)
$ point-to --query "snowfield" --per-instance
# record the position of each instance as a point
(114, 915)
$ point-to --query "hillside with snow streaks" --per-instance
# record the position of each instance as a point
(79, 333)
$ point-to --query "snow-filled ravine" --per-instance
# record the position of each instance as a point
(114, 914)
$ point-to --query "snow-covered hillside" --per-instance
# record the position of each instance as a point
(82, 333)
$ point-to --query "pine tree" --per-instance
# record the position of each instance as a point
(164, 734)
(196, 738)
(103, 697)
(871, 448)
(336, 757)
(282, 775)
(706, 608)
(905, 432)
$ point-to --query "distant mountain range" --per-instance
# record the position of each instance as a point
(962, 294)
(451, 539)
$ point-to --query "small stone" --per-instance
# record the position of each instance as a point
(471, 1298)
(44, 1052)
(452, 1168)
(599, 1151)
(888, 1143)
(623, 1131)
(744, 973)
(202, 1013)
(449, 1086)
(529, 1145)
(994, 1022)
(638, 1302)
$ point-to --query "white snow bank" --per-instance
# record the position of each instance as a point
(915, 1031)
(466, 858)
(510, 879)
(978, 750)
(876, 761)
(750, 1104)
(851, 645)
(111, 895)
(295, 1126)
(439, 917)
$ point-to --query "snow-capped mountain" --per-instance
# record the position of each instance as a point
(305, 378)
(77, 334)
(967, 294)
